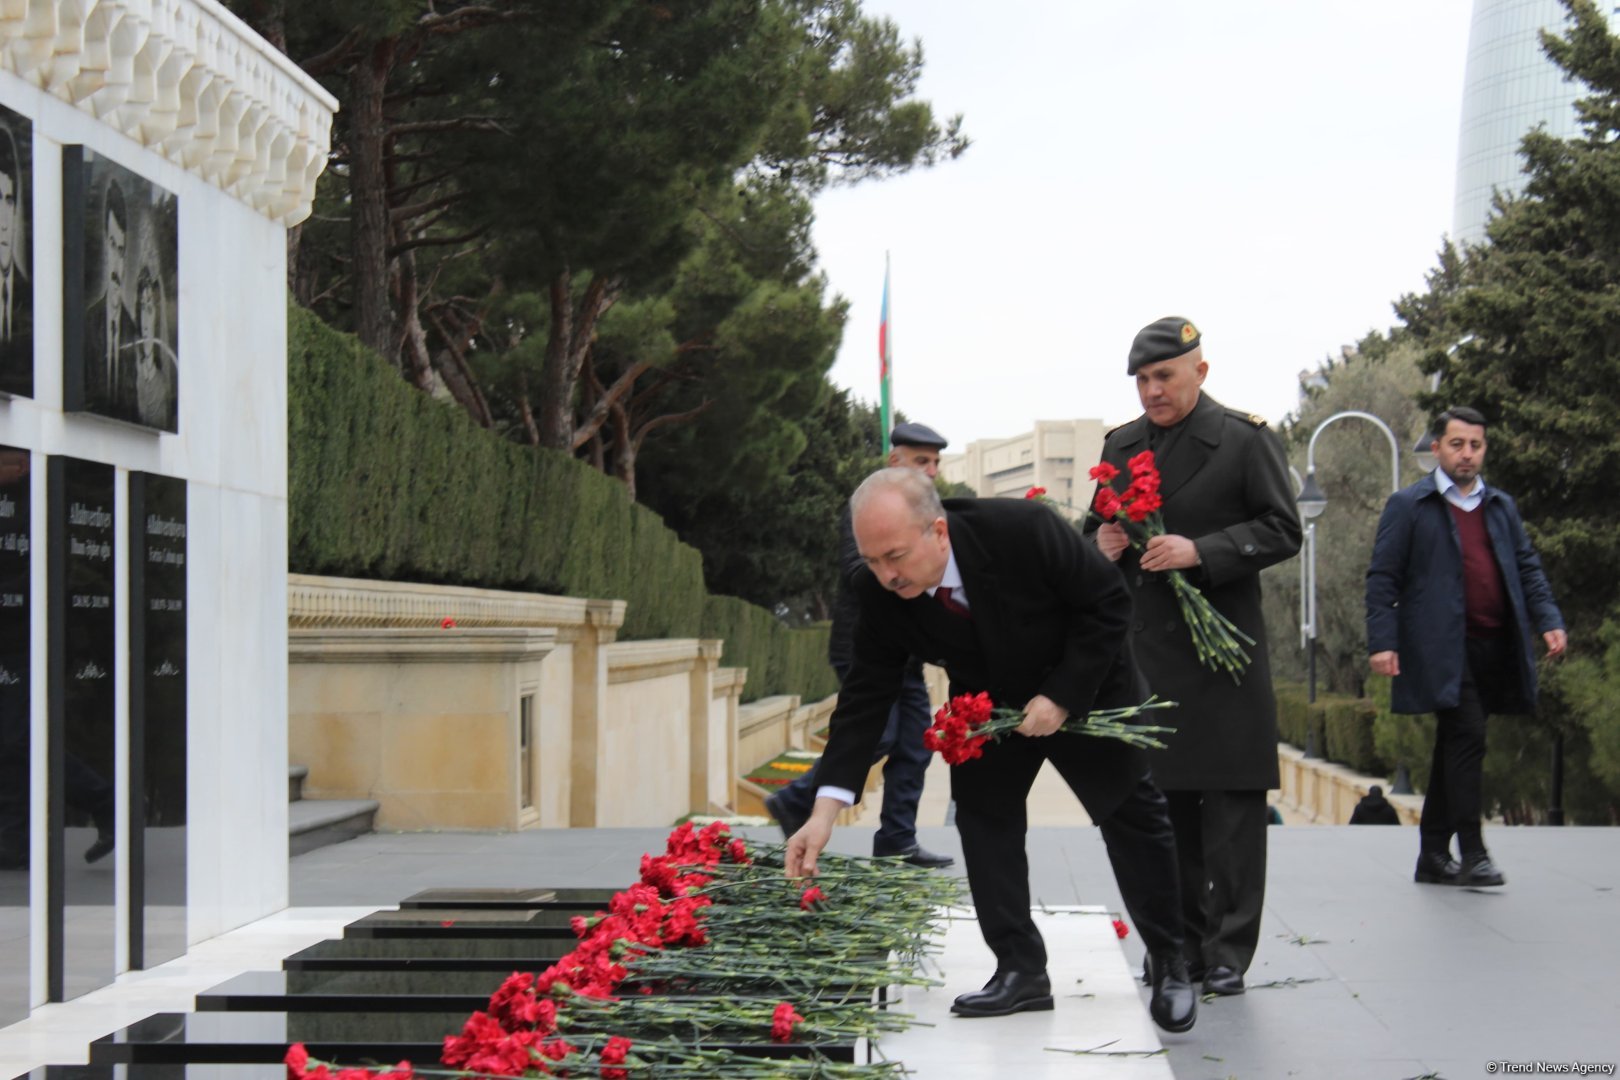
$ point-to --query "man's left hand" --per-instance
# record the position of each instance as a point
(1169, 552)
(1042, 716)
(1557, 641)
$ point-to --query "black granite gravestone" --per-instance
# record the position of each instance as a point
(16, 788)
(157, 719)
(82, 667)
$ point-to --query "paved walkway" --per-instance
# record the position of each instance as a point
(1361, 974)
(1377, 977)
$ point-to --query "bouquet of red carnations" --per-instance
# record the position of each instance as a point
(1217, 640)
(965, 723)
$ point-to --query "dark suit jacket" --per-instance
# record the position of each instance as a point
(1225, 486)
(1049, 617)
(1415, 598)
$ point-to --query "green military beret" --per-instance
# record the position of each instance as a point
(1163, 340)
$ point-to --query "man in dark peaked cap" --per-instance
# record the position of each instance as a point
(915, 446)
(1228, 513)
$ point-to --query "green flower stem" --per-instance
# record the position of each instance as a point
(1215, 637)
(1104, 723)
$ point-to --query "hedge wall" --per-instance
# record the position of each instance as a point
(387, 483)
(1344, 726)
(779, 660)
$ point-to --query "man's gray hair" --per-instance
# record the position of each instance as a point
(913, 485)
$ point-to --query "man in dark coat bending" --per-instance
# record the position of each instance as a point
(1229, 513)
(1007, 597)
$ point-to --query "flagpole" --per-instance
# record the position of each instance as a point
(885, 362)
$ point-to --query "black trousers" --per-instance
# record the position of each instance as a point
(1221, 860)
(992, 817)
(1453, 804)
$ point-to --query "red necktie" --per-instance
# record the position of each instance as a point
(951, 604)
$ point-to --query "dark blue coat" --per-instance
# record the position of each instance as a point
(1415, 596)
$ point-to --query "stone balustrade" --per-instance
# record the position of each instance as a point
(187, 79)
(1323, 793)
(523, 711)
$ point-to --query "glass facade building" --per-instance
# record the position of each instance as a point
(1509, 87)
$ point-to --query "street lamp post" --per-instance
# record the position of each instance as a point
(1312, 500)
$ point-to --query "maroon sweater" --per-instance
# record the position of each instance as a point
(1482, 581)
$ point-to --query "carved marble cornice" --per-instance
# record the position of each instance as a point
(408, 645)
(314, 601)
(187, 79)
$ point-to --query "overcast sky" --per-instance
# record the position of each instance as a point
(1277, 172)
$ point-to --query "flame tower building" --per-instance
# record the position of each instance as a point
(1509, 87)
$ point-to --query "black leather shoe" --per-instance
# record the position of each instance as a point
(99, 849)
(1195, 972)
(1223, 980)
(921, 856)
(789, 821)
(1479, 870)
(1007, 992)
(1436, 869)
(1174, 1004)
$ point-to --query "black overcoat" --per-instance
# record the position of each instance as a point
(1225, 487)
(1050, 616)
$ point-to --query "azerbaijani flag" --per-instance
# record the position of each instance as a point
(885, 360)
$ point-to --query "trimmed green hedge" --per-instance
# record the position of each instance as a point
(1344, 726)
(1401, 739)
(385, 482)
(779, 660)
(1347, 725)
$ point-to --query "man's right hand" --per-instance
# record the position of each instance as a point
(804, 846)
(1112, 541)
(1385, 663)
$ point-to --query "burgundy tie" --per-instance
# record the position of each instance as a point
(951, 604)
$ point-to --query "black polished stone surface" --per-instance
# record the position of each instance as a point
(222, 1071)
(157, 719)
(573, 900)
(352, 991)
(463, 923)
(331, 1036)
(83, 668)
(264, 1037)
(504, 955)
(16, 745)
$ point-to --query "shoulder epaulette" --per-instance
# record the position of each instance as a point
(1254, 419)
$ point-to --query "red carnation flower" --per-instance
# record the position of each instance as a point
(1107, 503)
(782, 1022)
(616, 1052)
(812, 895)
(1120, 929)
(1035, 493)
(447, 623)
(1103, 473)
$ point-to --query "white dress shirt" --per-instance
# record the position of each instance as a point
(1454, 495)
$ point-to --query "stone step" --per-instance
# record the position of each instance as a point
(314, 823)
(296, 774)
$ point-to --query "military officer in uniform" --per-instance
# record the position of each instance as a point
(1228, 514)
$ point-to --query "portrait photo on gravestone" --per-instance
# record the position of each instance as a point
(16, 256)
(120, 235)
